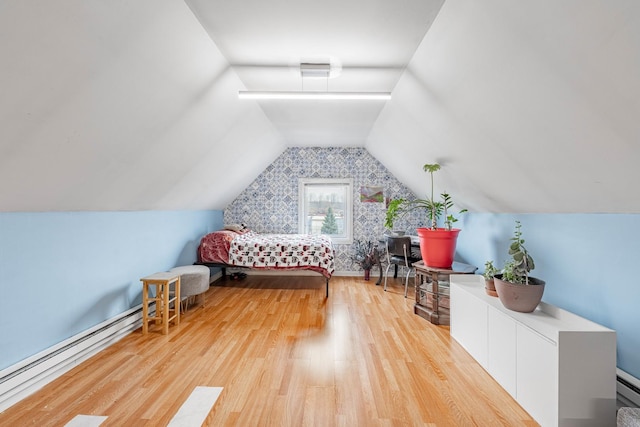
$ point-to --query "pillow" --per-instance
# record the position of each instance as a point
(234, 227)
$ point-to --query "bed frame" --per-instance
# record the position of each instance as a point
(224, 267)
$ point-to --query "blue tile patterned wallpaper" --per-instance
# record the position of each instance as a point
(270, 203)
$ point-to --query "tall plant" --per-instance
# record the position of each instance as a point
(517, 269)
(434, 209)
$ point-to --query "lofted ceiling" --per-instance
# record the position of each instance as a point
(529, 107)
(368, 44)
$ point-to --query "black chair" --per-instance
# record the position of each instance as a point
(399, 254)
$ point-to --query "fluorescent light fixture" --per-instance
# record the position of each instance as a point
(313, 70)
(376, 96)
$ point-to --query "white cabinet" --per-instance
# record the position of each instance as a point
(501, 345)
(537, 376)
(471, 329)
(561, 368)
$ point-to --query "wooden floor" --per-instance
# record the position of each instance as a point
(286, 356)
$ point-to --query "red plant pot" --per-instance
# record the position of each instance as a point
(438, 246)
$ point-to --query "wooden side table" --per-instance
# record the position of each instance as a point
(432, 290)
(163, 298)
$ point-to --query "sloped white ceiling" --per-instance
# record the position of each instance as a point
(121, 106)
(529, 106)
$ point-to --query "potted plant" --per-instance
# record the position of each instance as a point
(437, 245)
(516, 289)
(366, 255)
(489, 284)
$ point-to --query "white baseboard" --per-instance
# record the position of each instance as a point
(31, 374)
(628, 387)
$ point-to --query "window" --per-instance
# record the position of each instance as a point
(324, 207)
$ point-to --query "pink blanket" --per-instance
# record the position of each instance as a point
(214, 247)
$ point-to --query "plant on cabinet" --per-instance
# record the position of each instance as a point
(489, 284)
(516, 289)
(437, 245)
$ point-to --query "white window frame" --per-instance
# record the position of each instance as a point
(303, 183)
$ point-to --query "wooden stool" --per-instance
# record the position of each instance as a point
(162, 298)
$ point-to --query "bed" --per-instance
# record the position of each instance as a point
(248, 249)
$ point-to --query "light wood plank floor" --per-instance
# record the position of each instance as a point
(286, 356)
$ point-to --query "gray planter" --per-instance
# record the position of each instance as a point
(517, 297)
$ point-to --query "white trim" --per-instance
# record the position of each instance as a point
(347, 239)
(625, 391)
(354, 273)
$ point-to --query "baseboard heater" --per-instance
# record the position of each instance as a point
(31, 374)
(628, 388)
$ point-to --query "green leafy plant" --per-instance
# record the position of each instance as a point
(447, 204)
(517, 269)
(434, 209)
(489, 270)
(366, 254)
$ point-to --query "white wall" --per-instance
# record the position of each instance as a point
(530, 106)
(121, 106)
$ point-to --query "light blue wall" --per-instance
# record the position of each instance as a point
(589, 262)
(62, 273)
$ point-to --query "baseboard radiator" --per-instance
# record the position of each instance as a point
(628, 388)
(29, 375)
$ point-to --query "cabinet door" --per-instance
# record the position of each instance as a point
(469, 323)
(502, 349)
(537, 376)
